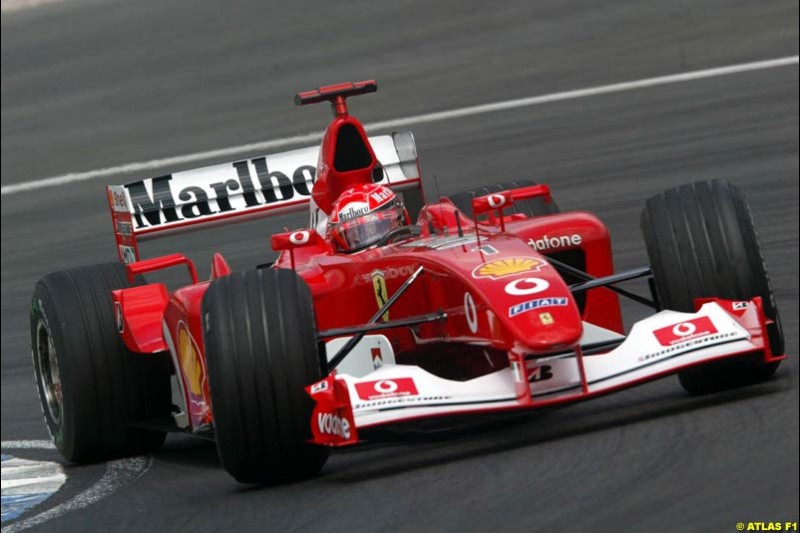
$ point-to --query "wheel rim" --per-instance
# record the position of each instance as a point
(49, 376)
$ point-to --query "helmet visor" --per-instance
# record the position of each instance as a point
(366, 230)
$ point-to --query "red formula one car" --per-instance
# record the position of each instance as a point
(385, 310)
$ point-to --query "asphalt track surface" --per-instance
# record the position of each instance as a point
(89, 84)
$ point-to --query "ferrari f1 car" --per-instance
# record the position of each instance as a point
(489, 301)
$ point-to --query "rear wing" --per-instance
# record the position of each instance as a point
(243, 190)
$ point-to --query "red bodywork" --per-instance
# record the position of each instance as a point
(344, 293)
(475, 273)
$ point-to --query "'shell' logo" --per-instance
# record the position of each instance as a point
(507, 267)
(685, 331)
(190, 361)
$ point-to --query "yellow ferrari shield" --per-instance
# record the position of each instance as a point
(381, 292)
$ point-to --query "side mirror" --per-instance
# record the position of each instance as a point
(505, 199)
(292, 240)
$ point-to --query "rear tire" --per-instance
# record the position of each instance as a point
(533, 208)
(702, 242)
(261, 351)
(90, 385)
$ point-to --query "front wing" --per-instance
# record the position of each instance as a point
(661, 344)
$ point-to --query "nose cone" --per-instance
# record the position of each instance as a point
(532, 309)
(532, 302)
(545, 323)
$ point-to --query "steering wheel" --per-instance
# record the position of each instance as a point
(398, 232)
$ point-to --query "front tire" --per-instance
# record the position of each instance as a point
(90, 385)
(702, 242)
(261, 351)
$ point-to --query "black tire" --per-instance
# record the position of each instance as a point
(532, 208)
(103, 386)
(702, 242)
(261, 352)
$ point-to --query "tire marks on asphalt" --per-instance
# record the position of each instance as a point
(119, 472)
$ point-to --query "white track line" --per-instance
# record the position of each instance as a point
(28, 445)
(406, 121)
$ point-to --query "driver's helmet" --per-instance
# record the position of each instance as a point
(362, 215)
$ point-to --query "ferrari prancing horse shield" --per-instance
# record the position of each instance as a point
(381, 292)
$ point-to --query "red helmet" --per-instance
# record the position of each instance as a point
(362, 215)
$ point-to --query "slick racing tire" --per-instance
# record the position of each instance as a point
(532, 208)
(91, 387)
(261, 351)
(702, 243)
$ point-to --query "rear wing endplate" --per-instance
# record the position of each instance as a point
(243, 190)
